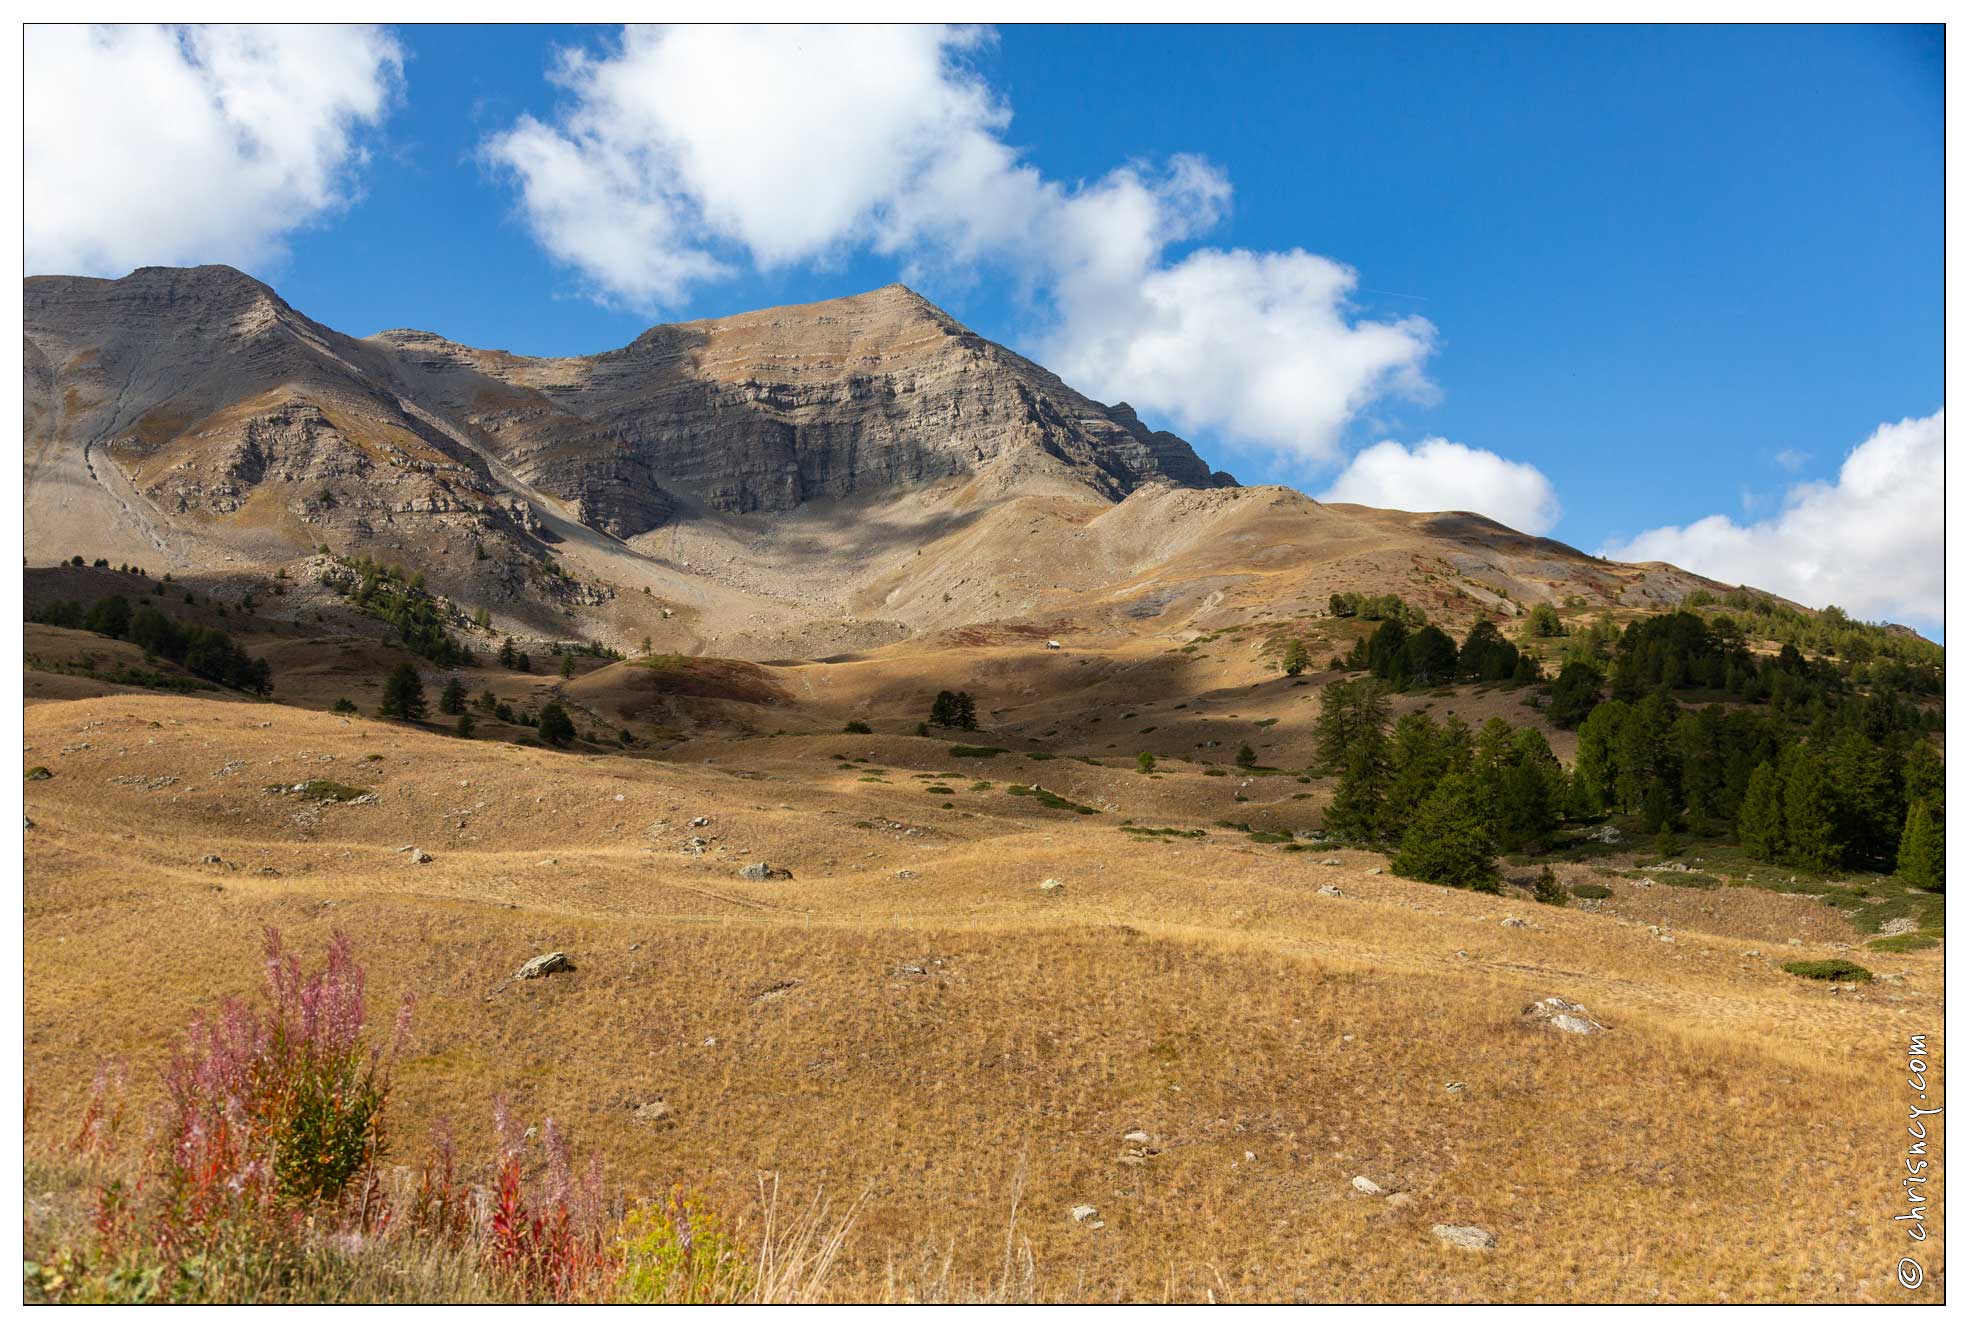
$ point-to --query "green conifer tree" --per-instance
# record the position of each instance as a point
(1448, 842)
(403, 694)
(1920, 861)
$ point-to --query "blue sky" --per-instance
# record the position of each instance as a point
(1668, 275)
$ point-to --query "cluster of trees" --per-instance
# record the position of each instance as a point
(79, 562)
(954, 710)
(1448, 797)
(1830, 631)
(1838, 793)
(1430, 657)
(385, 593)
(1353, 604)
(403, 699)
(512, 657)
(1685, 651)
(207, 652)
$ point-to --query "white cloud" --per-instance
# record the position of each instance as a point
(1870, 543)
(1791, 458)
(1437, 475)
(163, 145)
(683, 152)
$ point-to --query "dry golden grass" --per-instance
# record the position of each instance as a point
(966, 1053)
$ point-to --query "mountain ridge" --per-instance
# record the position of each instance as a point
(807, 478)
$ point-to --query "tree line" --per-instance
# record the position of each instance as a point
(206, 652)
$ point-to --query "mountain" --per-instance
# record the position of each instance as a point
(789, 481)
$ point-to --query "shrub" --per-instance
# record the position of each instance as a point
(1145, 762)
(272, 1132)
(856, 727)
(1591, 890)
(1548, 889)
(965, 750)
(343, 706)
(332, 790)
(677, 1253)
(39, 773)
(1830, 971)
(1047, 798)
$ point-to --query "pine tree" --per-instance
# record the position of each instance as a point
(1346, 711)
(1760, 825)
(452, 700)
(1384, 651)
(943, 711)
(1419, 760)
(1448, 842)
(1920, 861)
(508, 655)
(1528, 795)
(1296, 658)
(1246, 756)
(465, 724)
(966, 714)
(403, 694)
(1428, 658)
(1356, 812)
(555, 726)
(1596, 765)
(1811, 813)
(1574, 694)
(567, 664)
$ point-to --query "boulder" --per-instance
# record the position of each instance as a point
(765, 872)
(1565, 1016)
(1465, 1237)
(553, 962)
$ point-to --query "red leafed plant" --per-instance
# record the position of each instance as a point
(553, 1243)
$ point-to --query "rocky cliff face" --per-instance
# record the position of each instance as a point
(769, 410)
(206, 384)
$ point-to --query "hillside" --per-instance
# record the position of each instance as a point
(684, 487)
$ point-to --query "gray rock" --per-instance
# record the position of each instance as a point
(765, 872)
(553, 962)
(1566, 1016)
(1329, 889)
(1052, 884)
(1083, 1212)
(1366, 1186)
(1465, 1237)
(419, 856)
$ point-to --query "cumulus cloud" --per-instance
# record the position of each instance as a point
(148, 145)
(1869, 542)
(682, 154)
(1437, 475)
